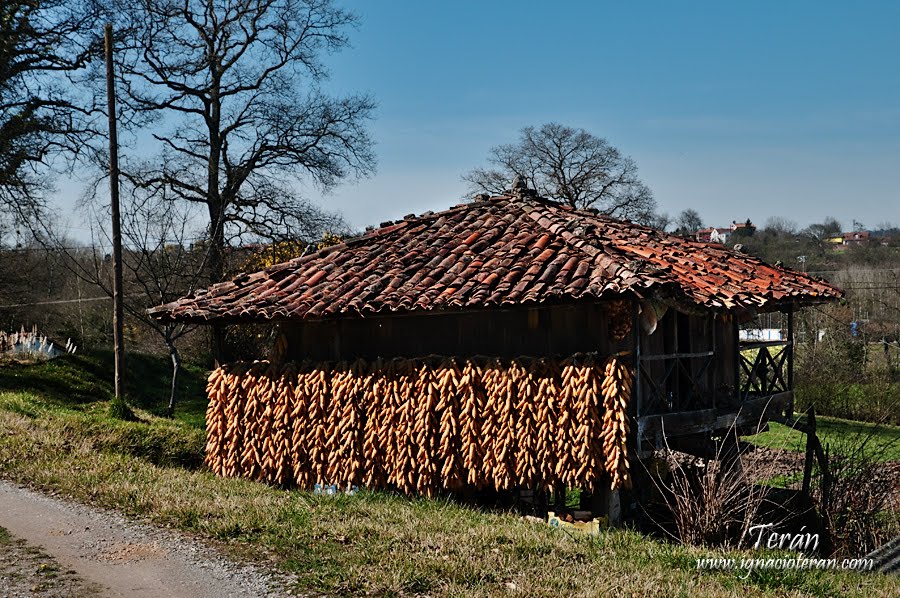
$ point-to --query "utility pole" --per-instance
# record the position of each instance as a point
(118, 310)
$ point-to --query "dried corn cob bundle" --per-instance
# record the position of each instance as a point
(501, 408)
(234, 417)
(616, 390)
(343, 424)
(449, 453)
(570, 383)
(376, 407)
(426, 429)
(589, 440)
(526, 387)
(282, 425)
(248, 457)
(472, 402)
(317, 387)
(216, 422)
(389, 431)
(490, 426)
(547, 406)
(354, 442)
(266, 424)
(393, 430)
(619, 319)
(302, 466)
(404, 470)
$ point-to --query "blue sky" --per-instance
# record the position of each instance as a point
(738, 110)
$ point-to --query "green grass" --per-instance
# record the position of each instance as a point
(837, 434)
(80, 380)
(377, 543)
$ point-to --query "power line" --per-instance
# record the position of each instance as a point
(55, 302)
(63, 301)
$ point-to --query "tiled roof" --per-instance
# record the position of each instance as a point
(500, 251)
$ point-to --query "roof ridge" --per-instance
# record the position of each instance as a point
(589, 247)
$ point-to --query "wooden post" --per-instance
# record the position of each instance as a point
(636, 339)
(790, 347)
(118, 310)
(808, 461)
(814, 450)
(736, 331)
(711, 376)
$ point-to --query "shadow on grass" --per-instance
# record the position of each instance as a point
(78, 380)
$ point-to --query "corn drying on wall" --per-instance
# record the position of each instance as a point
(422, 425)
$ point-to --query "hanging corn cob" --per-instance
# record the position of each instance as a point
(471, 392)
(301, 420)
(504, 420)
(449, 454)
(546, 374)
(616, 390)
(525, 457)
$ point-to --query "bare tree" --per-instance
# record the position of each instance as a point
(820, 231)
(659, 221)
(571, 166)
(780, 226)
(44, 45)
(160, 258)
(688, 222)
(231, 88)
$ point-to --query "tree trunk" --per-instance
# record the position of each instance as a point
(176, 371)
(887, 358)
(216, 206)
(217, 267)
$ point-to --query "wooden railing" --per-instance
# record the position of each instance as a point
(683, 386)
(765, 368)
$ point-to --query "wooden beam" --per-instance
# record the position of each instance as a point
(678, 356)
(653, 427)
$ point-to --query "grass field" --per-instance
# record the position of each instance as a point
(55, 434)
(882, 441)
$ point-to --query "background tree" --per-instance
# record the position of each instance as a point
(161, 262)
(660, 221)
(688, 222)
(780, 227)
(820, 231)
(44, 45)
(164, 257)
(231, 88)
(571, 166)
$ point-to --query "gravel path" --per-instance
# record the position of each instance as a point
(26, 570)
(119, 557)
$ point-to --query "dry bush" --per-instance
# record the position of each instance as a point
(861, 510)
(713, 502)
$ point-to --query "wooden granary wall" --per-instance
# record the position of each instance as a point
(545, 331)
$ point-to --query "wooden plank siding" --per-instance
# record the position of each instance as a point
(523, 331)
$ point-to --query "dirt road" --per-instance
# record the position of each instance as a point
(124, 558)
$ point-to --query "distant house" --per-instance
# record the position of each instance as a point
(703, 234)
(723, 235)
(714, 235)
(861, 237)
(746, 228)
